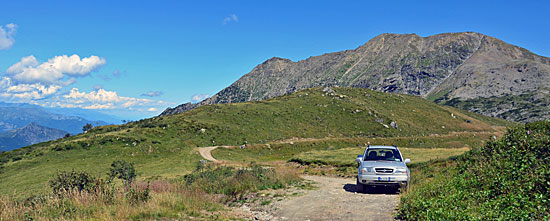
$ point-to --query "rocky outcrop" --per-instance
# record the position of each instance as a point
(451, 68)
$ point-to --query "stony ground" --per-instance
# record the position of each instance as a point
(332, 199)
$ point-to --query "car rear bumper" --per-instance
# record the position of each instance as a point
(382, 180)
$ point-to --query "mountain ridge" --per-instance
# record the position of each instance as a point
(14, 117)
(29, 134)
(450, 68)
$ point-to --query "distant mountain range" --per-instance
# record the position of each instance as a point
(26, 124)
(12, 118)
(467, 70)
(91, 115)
(27, 135)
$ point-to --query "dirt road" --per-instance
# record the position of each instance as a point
(336, 199)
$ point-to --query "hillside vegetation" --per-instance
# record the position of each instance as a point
(164, 146)
(507, 179)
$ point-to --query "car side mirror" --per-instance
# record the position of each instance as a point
(359, 159)
(407, 160)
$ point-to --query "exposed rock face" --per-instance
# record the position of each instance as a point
(451, 68)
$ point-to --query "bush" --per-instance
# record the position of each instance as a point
(69, 181)
(122, 170)
(135, 196)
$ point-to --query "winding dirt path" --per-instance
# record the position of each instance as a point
(206, 152)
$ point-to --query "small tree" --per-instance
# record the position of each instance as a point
(122, 170)
(87, 127)
(67, 135)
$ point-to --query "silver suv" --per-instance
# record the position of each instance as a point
(382, 166)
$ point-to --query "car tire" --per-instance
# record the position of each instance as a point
(360, 187)
(403, 188)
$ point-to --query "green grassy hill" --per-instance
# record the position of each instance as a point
(164, 146)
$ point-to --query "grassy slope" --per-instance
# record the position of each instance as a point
(507, 179)
(163, 146)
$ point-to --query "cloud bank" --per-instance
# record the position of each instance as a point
(46, 84)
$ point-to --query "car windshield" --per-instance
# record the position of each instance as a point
(382, 154)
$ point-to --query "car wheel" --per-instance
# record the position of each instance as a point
(360, 187)
(404, 187)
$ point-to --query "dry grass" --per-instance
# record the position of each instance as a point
(170, 199)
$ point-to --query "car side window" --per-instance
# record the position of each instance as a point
(397, 155)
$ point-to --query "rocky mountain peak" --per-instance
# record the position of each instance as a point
(443, 67)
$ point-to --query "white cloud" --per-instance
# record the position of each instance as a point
(103, 99)
(199, 97)
(28, 70)
(230, 18)
(26, 91)
(100, 95)
(152, 109)
(99, 106)
(25, 62)
(6, 36)
(152, 94)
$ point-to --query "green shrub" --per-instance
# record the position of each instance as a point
(506, 179)
(122, 170)
(69, 181)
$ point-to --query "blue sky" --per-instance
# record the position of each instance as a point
(135, 58)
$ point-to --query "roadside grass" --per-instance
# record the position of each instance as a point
(341, 162)
(455, 142)
(345, 157)
(506, 179)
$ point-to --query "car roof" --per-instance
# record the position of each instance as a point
(383, 147)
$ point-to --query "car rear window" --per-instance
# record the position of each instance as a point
(383, 154)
